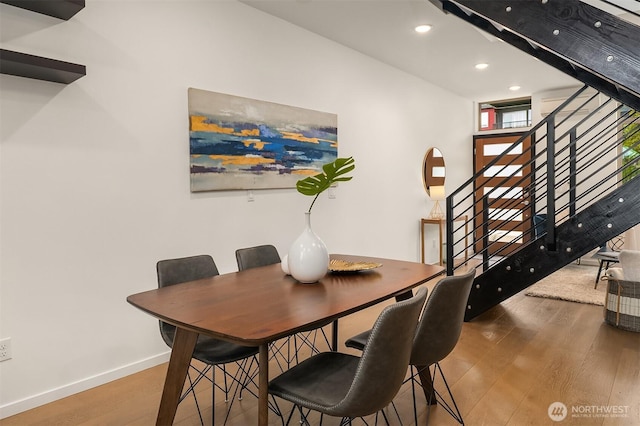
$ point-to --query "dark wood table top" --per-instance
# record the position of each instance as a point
(260, 305)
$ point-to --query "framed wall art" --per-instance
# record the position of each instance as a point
(242, 143)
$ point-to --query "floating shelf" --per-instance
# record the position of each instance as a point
(63, 9)
(30, 66)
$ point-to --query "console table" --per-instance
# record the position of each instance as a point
(442, 227)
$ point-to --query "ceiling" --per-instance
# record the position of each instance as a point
(445, 56)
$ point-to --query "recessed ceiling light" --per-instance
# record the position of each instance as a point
(423, 28)
(481, 66)
(514, 88)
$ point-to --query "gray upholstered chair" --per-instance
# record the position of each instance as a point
(347, 386)
(210, 351)
(436, 336)
(254, 257)
(263, 255)
(629, 269)
(609, 253)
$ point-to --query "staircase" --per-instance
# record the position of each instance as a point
(577, 179)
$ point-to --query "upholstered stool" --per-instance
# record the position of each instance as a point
(622, 303)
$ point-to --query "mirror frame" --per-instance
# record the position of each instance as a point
(430, 161)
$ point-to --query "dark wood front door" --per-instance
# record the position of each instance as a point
(507, 184)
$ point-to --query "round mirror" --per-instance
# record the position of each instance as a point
(433, 172)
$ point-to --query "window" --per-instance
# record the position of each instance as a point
(509, 114)
(631, 146)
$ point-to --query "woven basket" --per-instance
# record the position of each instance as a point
(622, 304)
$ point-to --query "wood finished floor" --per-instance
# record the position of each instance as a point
(508, 367)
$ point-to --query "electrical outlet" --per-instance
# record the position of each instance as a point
(5, 349)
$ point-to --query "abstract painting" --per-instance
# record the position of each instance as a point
(242, 143)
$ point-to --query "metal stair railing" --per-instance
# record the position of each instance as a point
(575, 160)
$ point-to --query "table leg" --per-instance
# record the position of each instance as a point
(441, 226)
(427, 383)
(263, 385)
(422, 240)
(404, 296)
(181, 353)
(334, 336)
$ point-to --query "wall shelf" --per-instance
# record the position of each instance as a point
(31, 66)
(63, 9)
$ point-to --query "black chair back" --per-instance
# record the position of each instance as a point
(253, 257)
(385, 359)
(182, 270)
(441, 324)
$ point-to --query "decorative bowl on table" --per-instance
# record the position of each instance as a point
(339, 265)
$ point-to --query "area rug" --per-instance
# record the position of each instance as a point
(573, 283)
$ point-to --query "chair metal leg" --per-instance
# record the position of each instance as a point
(290, 415)
(393, 405)
(250, 374)
(233, 383)
(195, 398)
(426, 381)
(434, 397)
(226, 385)
(456, 415)
(303, 418)
(293, 346)
(213, 396)
(192, 384)
(413, 394)
(384, 416)
(276, 350)
(238, 385)
(599, 272)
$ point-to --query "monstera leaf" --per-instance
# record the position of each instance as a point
(331, 173)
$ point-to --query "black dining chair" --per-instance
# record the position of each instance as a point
(214, 353)
(254, 257)
(263, 255)
(347, 386)
(436, 336)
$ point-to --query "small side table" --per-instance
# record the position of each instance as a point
(442, 225)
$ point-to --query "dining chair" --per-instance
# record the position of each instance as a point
(436, 336)
(263, 255)
(347, 386)
(254, 257)
(208, 350)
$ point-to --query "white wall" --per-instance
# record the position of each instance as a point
(95, 175)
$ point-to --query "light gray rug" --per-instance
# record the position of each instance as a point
(573, 283)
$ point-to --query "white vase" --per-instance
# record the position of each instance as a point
(284, 264)
(308, 259)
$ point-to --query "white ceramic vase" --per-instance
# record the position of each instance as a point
(308, 258)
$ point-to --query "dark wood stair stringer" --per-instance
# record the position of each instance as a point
(609, 217)
(576, 38)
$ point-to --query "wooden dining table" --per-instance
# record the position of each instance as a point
(258, 306)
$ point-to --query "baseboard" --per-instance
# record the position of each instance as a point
(34, 401)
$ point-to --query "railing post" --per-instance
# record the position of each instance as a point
(485, 233)
(449, 239)
(550, 239)
(573, 152)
